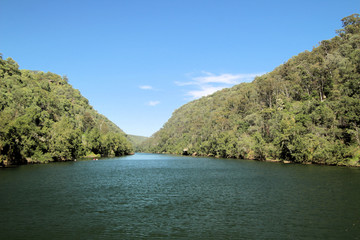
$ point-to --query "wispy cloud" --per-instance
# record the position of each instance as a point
(153, 103)
(209, 83)
(204, 91)
(146, 87)
(224, 78)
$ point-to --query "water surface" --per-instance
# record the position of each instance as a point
(150, 196)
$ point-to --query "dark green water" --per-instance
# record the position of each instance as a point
(149, 196)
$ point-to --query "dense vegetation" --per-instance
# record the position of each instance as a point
(44, 119)
(137, 142)
(307, 110)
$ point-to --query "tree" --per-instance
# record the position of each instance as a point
(305, 110)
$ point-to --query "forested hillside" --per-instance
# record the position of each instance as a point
(42, 119)
(137, 142)
(307, 110)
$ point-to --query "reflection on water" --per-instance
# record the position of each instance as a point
(150, 196)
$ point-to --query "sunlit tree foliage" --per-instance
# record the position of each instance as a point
(306, 110)
(42, 119)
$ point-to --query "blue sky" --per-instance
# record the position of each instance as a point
(139, 60)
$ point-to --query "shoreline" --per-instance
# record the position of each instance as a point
(266, 160)
(5, 164)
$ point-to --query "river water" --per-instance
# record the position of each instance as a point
(150, 196)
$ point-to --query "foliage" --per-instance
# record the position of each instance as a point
(44, 119)
(306, 110)
(137, 142)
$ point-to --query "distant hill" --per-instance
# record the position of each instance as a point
(307, 110)
(137, 141)
(44, 119)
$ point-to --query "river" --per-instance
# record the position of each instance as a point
(152, 196)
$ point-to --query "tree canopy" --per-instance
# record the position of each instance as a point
(44, 119)
(307, 110)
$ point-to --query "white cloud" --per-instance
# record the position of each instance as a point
(225, 78)
(146, 87)
(205, 90)
(210, 83)
(153, 103)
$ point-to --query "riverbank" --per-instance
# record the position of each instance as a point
(349, 163)
(4, 163)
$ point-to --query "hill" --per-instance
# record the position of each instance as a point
(44, 119)
(307, 110)
(137, 141)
